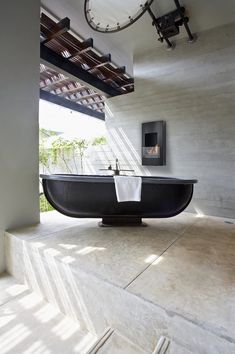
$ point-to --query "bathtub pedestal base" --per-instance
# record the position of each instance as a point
(121, 221)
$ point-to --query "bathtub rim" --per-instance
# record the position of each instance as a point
(110, 179)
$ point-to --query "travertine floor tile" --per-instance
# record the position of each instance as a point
(177, 224)
(50, 222)
(178, 277)
(196, 276)
(117, 255)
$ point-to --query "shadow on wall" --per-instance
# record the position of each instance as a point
(191, 92)
(129, 151)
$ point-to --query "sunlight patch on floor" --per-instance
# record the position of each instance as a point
(13, 336)
(150, 258)
(89, 249)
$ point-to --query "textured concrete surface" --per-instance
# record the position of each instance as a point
(196, 276)
(116, 255)
(48, 225)
(30, 325)
(180, 271)
(192, 89)
(117, 344)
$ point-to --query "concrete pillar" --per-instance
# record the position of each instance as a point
(19, 99)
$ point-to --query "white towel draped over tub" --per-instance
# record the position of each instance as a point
(128, 189)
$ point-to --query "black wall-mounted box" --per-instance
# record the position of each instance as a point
(154, 143)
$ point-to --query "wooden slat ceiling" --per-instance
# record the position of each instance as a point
(58, 84)
(81, 53)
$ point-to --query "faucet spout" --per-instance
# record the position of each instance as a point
(116, 170)
(117, 165)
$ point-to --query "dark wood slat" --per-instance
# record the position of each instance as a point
(81, 53)
(106, 73)
(61, 27)
(51, 57)
(120, 81)
(52, 83)
(50, 97)
(128, 85)
(71, 91)
(87, 45)
(89, 60)
(92, 95)
(92, 103)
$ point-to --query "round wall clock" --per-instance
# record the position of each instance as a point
(109, 16)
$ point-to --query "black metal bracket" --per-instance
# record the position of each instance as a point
(168, 25)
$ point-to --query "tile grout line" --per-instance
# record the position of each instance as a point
(137, 276)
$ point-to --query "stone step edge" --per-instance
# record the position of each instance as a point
(92, 274)
(101, 341)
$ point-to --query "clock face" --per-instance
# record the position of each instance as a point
(114, 15)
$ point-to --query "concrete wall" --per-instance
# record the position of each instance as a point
(19, 67)
(193, 89)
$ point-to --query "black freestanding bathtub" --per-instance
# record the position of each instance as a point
(87, 196)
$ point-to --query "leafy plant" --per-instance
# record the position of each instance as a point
(60, 150)
(100, 140)
(44, 205)
(80, 146)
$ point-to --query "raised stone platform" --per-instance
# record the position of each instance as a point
(174, 278)
(30, 325)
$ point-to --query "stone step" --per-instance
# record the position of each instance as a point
(107, 277)
(29, 324)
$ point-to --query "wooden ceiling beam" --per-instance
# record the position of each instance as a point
(91, 103)
(53, 83)
(66, 65)
(109, 74)
(87, 59)
(105, 59)
(67, 93)
(127, 85)
(88, 96)
(56, 31)
(61, 101)
(121, 82)
(86, 45)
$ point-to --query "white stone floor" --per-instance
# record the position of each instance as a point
(174, 278)
(30, 325)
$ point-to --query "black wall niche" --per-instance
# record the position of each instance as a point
(154, 143)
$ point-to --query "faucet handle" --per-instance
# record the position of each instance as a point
(110, 167)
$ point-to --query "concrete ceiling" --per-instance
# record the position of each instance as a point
(141, 35)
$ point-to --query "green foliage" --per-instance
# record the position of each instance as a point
(44, 205)
(64, 151)
(100, 140)
(44, 156)
(46, 133)
(44, 153)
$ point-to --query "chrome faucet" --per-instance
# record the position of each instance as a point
(116, 170)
